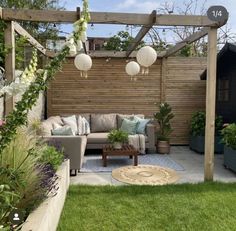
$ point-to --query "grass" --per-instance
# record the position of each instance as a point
(207, 206)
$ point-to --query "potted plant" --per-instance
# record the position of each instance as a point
(197, 132)
(117, 138)
(229, 140)
(163, 118)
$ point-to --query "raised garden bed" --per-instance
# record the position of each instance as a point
(47, 215)
(230, 158)
(197, 143)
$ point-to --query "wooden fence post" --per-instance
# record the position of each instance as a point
(210, 105)
(9, 38)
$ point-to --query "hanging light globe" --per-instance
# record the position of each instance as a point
(83, 63)
(146, 56)
(132, 68)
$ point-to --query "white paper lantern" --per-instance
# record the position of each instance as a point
(83, 63)
(132, 68)
(146, 56)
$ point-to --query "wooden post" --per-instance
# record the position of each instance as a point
(9, 38)
(210, 104)
(163, 80)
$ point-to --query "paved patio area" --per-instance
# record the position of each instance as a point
(192, 162)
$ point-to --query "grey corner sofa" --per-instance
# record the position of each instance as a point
(100, 124)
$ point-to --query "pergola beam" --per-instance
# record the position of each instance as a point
(106, 18)
(192, 38)
(21, 31)
(143, 31)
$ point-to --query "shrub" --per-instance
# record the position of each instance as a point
(117, 136)
(51, 156)
(197, 125)
(229, 136)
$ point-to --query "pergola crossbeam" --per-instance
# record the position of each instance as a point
(21, 31)
(107, 18)
(192, 38)
(143, 31)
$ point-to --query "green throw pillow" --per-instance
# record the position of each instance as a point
(62, 131)
(129, 126)
(142, 124)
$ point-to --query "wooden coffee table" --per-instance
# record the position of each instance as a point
(126, 150)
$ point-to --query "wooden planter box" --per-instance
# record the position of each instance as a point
(47, 215)
(230, 158)
(197, 143)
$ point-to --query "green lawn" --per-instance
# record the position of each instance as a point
(189, 207)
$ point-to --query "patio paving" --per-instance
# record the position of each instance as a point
(192, 162)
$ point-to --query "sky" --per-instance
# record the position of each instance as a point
(140, 6)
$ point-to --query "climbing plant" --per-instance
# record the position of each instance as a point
(18, 116)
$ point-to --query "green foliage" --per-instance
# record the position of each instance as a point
(52, 156)
(18, 170)
(40, 31)
(117, 136)
(197, 126)
(120, 42)
(163, 117)
(18, 116)
(229, 136)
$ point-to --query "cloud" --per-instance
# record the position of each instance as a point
(138, 6)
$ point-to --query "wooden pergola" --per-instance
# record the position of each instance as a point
(209, 27)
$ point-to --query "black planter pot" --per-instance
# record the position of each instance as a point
(230, 158)
(197, 143)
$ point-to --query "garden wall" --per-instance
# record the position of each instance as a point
(109, 89)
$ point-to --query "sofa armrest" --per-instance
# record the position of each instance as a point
(150, 132)
(73, 147)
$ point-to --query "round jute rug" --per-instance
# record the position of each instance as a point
(145, 175)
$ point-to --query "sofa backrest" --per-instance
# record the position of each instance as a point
(98, 122)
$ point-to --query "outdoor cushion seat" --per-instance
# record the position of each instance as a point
(97, 138)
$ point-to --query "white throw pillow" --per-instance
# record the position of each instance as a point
(86, 126)
(71, 121)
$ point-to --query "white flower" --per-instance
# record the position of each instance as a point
(85, 25)
(72, 49)
(83, 36)
(79, 45)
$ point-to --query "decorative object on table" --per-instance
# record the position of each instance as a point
(229, 140)
(125, 150)
(197, 132)
(83, 63)
(146, 56)
(132, 68)
(163, 117)
(117, 138)
(145, 175)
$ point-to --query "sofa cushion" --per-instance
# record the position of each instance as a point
(120, 118)
(83, 126)
(129, 126)
(72, 122)
(62, 131)
(97, 138)
(142, 125)
(103, 122)
(47, 125)
(85, 115)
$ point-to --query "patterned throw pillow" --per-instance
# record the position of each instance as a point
(129, 126)
(83, 126)
(71, 121)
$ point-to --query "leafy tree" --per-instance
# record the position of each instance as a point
(40, 31)
(120, 42)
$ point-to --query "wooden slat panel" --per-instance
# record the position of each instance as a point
(185, 92)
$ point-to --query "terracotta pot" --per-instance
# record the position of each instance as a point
(117, 145)
(163, 147)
